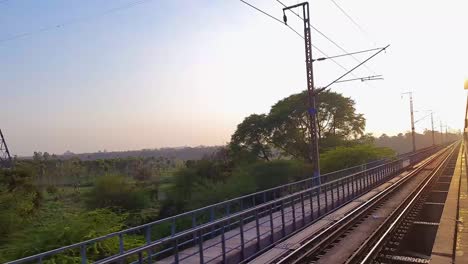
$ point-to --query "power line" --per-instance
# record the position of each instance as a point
(282, 23)
(355, 67)
(73, 21)
(318, 49)
(330, 40)
(261, 11)
(346, 54)
(350, 18)
(368, 78)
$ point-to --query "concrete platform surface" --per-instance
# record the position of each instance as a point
(449, 237)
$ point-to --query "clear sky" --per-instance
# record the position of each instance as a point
(174, 73)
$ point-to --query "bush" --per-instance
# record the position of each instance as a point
(248, 179)
(51, 189)
(345, 157)
(64, 229)
(19, 200)
(274, 173)
(116, 192)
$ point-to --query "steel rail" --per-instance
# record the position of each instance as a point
(394, 219)
(329, 234)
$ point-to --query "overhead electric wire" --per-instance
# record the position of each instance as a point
(261, 11)
(367, 78)
(346, 54)
(350, 18)
(332, 59)
(355, 67)
(328, 38)
(74, 21)
(421, 118)
(318, 49)
(282, 23)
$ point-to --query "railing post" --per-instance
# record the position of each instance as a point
(241, 231)
(293, 205)
(121, 243)
(303, 209)
(140, 258)
(211, 220)
(318, 200)
(223, 244)
(283, 224)
(194, 223)
(176, 251)
(311, 198)
(338, 192)
(272, 239)
(348, 196)
(374, 177)
(173, 228)
(228, 213)
(257, 227)
(148, 241)
(326, 196)
(332, 195)
(83, 254)
(342, 191)
(200, 245)
(367, 180)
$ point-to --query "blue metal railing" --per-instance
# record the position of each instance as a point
(179, 229)
(294, 211)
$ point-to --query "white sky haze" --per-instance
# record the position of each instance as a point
(175, 73)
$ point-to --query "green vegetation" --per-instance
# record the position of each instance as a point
(48, 202)
(345, 157)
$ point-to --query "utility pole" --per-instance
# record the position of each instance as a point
(432, 124)
(413, 136)
(441, 134)
(446, 132)
(5, 158)
(314, 148)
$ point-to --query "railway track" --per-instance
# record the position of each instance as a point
(375, 231)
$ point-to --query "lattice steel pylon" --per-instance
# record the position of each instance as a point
(312, 108)
(5, 157)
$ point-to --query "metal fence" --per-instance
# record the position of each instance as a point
(231, 219)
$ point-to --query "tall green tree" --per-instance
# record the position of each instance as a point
(286, 127)
(253, 135)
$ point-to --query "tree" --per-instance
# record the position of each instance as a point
(253, 135)
(286, 127)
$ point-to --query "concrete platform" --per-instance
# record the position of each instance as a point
(451, 242)
(461, 249)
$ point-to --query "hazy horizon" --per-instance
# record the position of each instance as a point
(185, 73)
